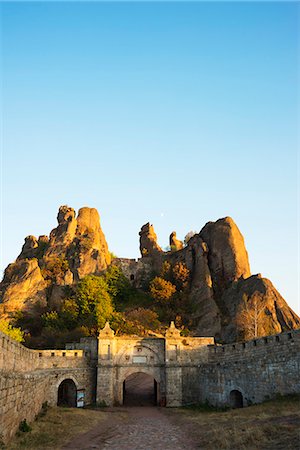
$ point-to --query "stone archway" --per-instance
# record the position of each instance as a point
(236, 399)
(140, 389)
(67, 393)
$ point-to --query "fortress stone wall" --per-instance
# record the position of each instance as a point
(186, 370)
(28, 378)
(259, 369)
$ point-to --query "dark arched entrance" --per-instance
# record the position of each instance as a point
(236, 399)
(140, 389)
(67, 393)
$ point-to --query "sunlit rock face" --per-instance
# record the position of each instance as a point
(92, 250)
(22, 287)
(75, 248)
(220, 281)
(62, 236)
(148, 241)
(175, 244)
(219, 284)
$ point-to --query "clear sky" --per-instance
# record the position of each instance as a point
(173, 113)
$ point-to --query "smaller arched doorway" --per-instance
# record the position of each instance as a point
(236, 399)
(67, 393)
(140, 389)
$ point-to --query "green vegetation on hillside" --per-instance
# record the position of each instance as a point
(87, 305)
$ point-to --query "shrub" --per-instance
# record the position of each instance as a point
(162, 290)
(24, 427)
(54, 267)
(15, 333)
(181, 275)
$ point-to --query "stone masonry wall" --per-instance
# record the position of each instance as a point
(188, 370)
(259, 369)
(28, 378)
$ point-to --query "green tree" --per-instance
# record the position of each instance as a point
(15, 333)
(94, 301)
(119, 286)
(52, 320)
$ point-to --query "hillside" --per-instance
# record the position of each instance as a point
(205, 286)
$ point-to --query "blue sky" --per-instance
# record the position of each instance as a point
(173, 113)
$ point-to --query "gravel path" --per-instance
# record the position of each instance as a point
(134, 428)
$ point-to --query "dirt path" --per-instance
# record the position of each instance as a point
(134, 428)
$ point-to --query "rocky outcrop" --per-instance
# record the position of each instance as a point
(227, 254)
(33, 247)
(29, 249)
(207, 314)
(92, 255)
(175, 244)
(219, 284)
(255, 301)
(23, 286)
(63, 235)
(148, 241)
(220, 281)
(76, 247)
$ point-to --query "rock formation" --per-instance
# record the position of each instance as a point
(221, 281)
(93, 255)
(220, 286)
(75, 248)
(23, 286)
(227, 256)
(273, 315)
(148, 241)
(175, 244)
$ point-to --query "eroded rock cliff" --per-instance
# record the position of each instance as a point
(223, 292)
(75, 248)
(222, 295)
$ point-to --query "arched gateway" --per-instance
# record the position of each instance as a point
(67, 393)
(121, 358)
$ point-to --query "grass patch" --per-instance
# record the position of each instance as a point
(57, 427)
(268, 426)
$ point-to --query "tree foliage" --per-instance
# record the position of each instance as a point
(15, 333)
(118, 285)
(162, 290)
(94, 302)
(181, 275)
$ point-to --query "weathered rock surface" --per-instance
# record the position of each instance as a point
(22, 287)
(227, 254)
(29, 249)
(175, 244)
(272, 314)
(63, 235)
(92, 250)
(76, 247)
(148, 241)
(221, 280)
(206, 314)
